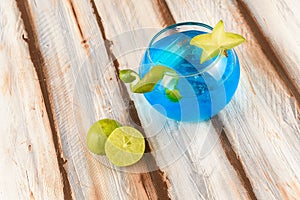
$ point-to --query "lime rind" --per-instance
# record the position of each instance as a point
(96, 142)
(128, 75)
(98, 134)
(148, 82)
(108, 125)
(173, 95)
(167, 76)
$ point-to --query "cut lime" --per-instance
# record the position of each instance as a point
(125, 146)
(98, 133)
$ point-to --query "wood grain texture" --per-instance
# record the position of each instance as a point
(59, 74)
(279, 22)
(29, 167)
(67, 31)
(83, 88)
(89, 95)
(262, 121)
(193, 174)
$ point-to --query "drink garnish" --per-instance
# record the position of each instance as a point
(123, 145)
(166, 75)
(216, 42)
(212, 44)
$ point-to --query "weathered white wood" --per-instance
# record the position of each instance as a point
(84, 89)
(62, 28)
(280, 22)
(28, 162)
(262, 121)
(201, 169)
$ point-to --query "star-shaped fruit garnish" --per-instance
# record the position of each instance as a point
(216, 42)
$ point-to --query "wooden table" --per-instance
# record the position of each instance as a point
(59, 61)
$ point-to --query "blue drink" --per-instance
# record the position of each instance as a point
(205, 88)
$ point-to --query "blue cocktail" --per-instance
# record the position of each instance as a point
(205, 88)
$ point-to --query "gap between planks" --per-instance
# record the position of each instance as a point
(38, 63)
(233, 158)
(225, 143)
(168, 19)
(270, 53)
(158, 178)
(161, 185)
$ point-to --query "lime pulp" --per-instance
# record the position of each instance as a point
(125, 146)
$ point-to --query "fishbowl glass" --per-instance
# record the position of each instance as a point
(205, 88)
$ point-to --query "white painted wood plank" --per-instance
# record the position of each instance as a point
(84, 89)
(194, 174)
(280, 22)
(28, 162)
(262, 121)
(63, 47)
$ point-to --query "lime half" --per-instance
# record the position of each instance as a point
(125, 146)
(98, 134)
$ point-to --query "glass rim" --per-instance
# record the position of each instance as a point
(190, 23)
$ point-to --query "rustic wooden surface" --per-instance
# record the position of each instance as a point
(58, 74)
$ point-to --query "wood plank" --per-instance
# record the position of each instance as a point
(29, 167)
(262, 122)
(65, 44)
(193, 175)
(279, 24)
(82, 85)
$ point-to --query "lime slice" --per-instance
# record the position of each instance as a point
(98, 133)
(125, 146)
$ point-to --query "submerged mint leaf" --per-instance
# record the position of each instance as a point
(216, 42)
